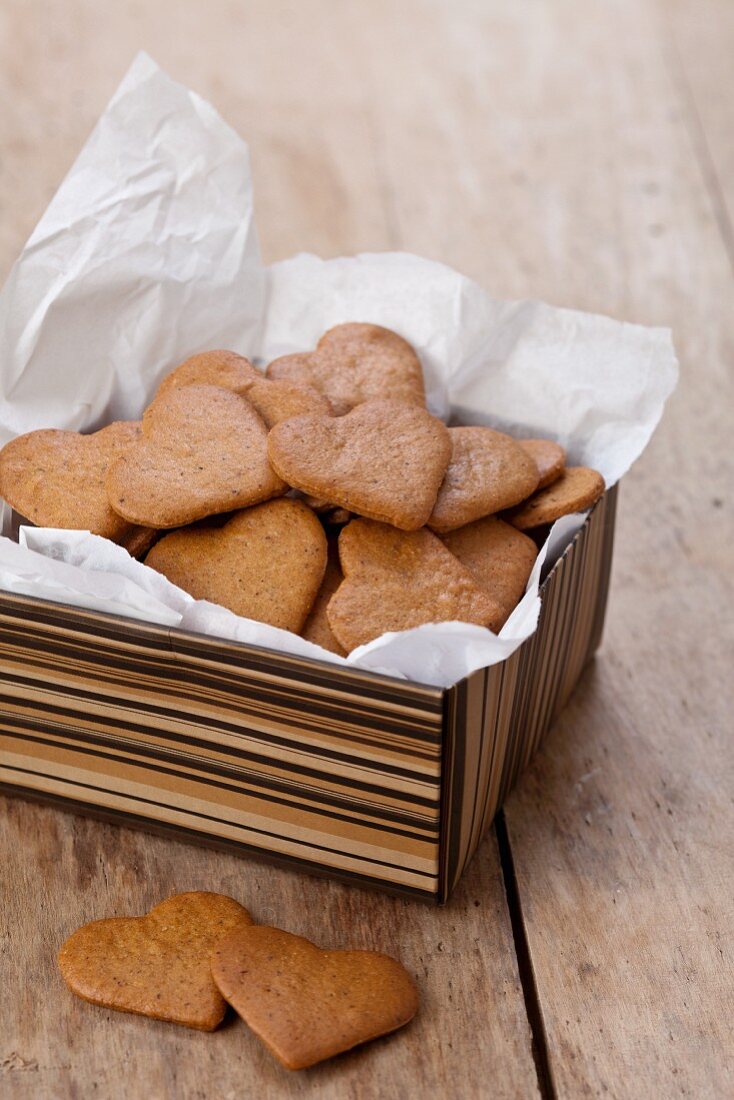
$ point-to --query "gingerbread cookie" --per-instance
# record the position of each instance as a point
(395, 580)
(266, 563)
(354, 363)
(331, 514)
(575, 490)
(212, 368)
(317, 629)
(488, 471)
(57, 479)
(337, 517)
(499, 557)
(549, 457)
(307, 1004)
(139, 541)
(273, 400)
(384, 460)
(280, 399)
(319, 505)
(157, 965)
(203, 451)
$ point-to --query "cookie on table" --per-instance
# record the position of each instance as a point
(395, 580)
(499, 557)
(354, 363)
(307, 1004)
(203, 451)
(384, 459)
(57, 479)
(273, 400)
(488, 472)
(549, 457)
(316, 628)
(575, 490)
(157, 965)
(266, 563)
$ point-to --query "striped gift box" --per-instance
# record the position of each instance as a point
(375, 780)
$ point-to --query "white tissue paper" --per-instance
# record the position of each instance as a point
(148, 254)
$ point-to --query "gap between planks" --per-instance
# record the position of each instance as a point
(533, 1010)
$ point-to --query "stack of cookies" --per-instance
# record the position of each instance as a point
(320, 497)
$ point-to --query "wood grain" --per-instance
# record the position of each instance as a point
(576, 153)
(621, 833)
(73, 870)
(700, 38)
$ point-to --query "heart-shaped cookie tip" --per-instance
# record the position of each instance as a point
(316, 628)
(499, 558)
(549, 457)
(307, 1004)
(211, 368)
(396, 580)
(203, 452)
(384, 460)
(156, 965)
(354, 363)
(488, 471)
(280, 399)
(577, 488)
(57, 479)
(266, 563)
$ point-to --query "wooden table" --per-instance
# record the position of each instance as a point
(574, 152)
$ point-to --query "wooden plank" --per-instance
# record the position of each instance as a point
(621, 832)
(700, 39)
(548, 151)
(73, 869)
(292, 78)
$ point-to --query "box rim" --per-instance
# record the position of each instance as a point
(169, 634)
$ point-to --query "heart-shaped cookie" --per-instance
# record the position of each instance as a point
(336, 517)
(211, 368)
(395, 580)
(273, 400)
(550, 458)
(203, 451)
(499, 557)
(280, 399)
(354, 363)
(575, 490)
(488, 471)
(266, 563)
(57, 479)
(316, 628)
(307, 1004)
(330, 514)
(157, 965)
(384, 460)
(139, 541)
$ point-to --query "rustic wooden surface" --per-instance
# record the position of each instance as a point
(581, 153)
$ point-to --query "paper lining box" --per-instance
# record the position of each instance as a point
(338, 771)
(268, 744)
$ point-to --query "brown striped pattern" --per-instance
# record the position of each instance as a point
(496, 718)
(311, 763)
(340, 771)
